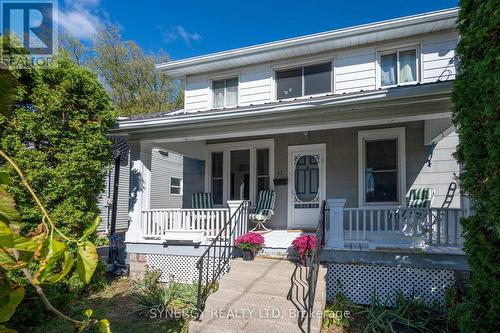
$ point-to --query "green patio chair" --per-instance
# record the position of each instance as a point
(418, 198)
(264, 209)
(202, 201)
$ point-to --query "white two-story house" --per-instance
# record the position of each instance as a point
(357, 117)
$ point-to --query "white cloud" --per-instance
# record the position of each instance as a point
(179, 31)
(80, 18)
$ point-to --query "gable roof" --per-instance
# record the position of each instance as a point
(315, 43)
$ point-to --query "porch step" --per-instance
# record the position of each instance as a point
(264, 295)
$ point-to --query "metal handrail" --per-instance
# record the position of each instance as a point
(313, 265)
(215, 260)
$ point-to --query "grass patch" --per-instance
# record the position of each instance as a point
(116, 303)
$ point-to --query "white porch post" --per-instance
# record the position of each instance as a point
(140, 178)
(233, 207)
(335, 234)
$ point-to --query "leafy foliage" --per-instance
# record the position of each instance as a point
(476, 114)
(130, 76)
(149, 295)
(340, 311)
(57, 133)
(52, 114)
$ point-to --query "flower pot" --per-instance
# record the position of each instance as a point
(248, 255)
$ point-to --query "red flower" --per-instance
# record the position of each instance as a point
(304, 245)
(250, 241)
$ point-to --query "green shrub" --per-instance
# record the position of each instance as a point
(340, 311)
(476, 113)
(152, 297)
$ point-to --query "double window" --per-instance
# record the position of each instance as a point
(398, 67)
(382, 164)
(304, 81)
(225, 93)
(175, 186)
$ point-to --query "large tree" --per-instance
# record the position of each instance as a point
(58, 134)
(476, 100)
(129, 74)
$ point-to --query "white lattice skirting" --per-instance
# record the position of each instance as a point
(358, 282)
(177, 268)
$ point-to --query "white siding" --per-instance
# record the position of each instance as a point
(355, 70)
(197, 94)
(255, 85)
(442, 171)
(438, 54)
(162, 168)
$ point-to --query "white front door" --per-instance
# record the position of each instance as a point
(306, 186)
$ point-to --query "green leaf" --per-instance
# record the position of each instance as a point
(92, 228)
(10, 240)
(55, 250)
(104, 326)
(11, 297)
(4, 329)
(66, 268)
(8, 262)
(8, 212)
(86, 261)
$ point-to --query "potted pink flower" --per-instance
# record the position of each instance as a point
(304, 245)
(250, 243)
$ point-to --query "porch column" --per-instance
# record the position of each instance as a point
(335, 228)
(233, 207)
(140, 178)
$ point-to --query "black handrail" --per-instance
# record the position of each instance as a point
(313, 265)
(215, 260)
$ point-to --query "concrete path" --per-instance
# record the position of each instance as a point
(264, 295)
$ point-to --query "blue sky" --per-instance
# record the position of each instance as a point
(190, 28)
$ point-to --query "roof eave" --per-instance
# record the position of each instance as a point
(172, 67)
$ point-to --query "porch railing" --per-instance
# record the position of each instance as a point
(157, 222)
(313, 265)
(381, 226)
(216, 259)
(433, 226)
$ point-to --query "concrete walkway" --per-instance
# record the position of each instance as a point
(264, 295)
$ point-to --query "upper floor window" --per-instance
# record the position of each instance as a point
(225, 93)
(398, 67)
(303, 81)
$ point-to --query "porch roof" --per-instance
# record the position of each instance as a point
(310, 44)
(396, 104)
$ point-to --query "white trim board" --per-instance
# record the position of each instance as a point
(378, 134)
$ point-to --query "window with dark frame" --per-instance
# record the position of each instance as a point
(217, 177)
(262, 170)
(304, 81)
(225, 93)
(381, 171)
(175, 186)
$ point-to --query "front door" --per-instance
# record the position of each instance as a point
(306, 188)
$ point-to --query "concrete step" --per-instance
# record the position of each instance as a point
(267, 288)
(263, 295)
(259, 306)
(223, 325)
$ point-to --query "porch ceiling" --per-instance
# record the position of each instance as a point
(412, 103)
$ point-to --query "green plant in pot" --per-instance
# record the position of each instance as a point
(250, 243)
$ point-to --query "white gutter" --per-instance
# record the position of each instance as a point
(319, 37)
(298, 107)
